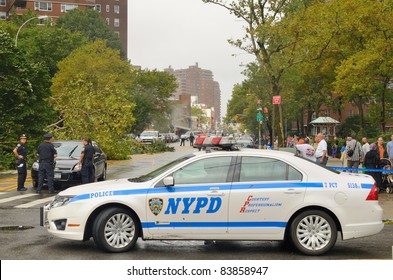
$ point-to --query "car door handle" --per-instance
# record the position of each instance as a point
(214, 192)
(292, 191)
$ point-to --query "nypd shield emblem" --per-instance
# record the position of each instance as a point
(156, 205)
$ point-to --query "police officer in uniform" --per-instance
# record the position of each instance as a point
(47, 154)
(86, 160)
(21, 162)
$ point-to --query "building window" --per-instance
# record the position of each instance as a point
(64, 8)
(3, 2)
(117, 34)
(98, 8)
(116, 22)
(116, 9)
(3, 15)
(43, 6)
(107, 20)
(108, 8)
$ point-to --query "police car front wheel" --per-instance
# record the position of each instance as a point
(115, 230)
(313, 232)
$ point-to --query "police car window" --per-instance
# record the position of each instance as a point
(160, 170)
(266, 169)
(204, 171)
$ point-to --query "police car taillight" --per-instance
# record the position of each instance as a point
(373, 194)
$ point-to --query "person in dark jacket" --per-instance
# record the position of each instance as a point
(86, 161)
(372, 161)
(20, 153)
(46, 155)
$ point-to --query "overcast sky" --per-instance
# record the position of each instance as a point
(182, 32)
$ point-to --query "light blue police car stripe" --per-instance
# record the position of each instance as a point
(228, 186)
(367, 186)
(216, 225)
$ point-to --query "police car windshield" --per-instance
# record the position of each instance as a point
(68, 149)
(160, 170)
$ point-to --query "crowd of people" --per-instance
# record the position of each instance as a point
(353, 153)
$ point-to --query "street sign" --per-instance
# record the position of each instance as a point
(259, 117)
(276, 99)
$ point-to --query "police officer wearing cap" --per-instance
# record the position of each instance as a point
(20, 153)
(47, 154)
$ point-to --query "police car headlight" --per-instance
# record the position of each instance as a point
(61, 201)
(35, 166)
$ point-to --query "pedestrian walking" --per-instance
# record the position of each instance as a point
(86, 161)
(20, 153)
(354, 153)
(389, 148)
(372, 161)
(321, 151)
(192, 138)
(46, 159)
(182, 140)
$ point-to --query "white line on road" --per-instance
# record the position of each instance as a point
(2, 193)
(34, 203)
(12, 198)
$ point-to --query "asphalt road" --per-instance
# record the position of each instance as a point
(32, 242)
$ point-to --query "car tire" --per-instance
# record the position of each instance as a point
(116, 230)
(103, 176)
(313, 232)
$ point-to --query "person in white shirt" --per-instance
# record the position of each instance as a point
(306, 150)
(321, 152)
(366, 145)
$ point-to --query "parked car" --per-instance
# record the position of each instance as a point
(245, 142)
(174, 136)
(149, 136)
(67, 170)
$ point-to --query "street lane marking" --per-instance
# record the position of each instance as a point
(12, 198)
(2, 193)
(34, 203)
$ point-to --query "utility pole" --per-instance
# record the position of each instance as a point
(259, 119)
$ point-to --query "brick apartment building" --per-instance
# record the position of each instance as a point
(113, 11)
(195, 81)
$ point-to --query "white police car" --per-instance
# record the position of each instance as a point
(236, 195)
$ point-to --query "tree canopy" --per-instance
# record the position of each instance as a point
(89, 93)
(317, 52)
(24, 87)
(89, 23)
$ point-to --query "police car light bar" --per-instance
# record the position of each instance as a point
(223, 142)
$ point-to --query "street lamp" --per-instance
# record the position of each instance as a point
(17, 33)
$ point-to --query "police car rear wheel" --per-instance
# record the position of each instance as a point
(115, 230)
(313, 232)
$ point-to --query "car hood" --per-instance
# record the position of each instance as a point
(103, 187)
(66, 162)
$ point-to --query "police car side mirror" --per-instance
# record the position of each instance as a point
(169, 181)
